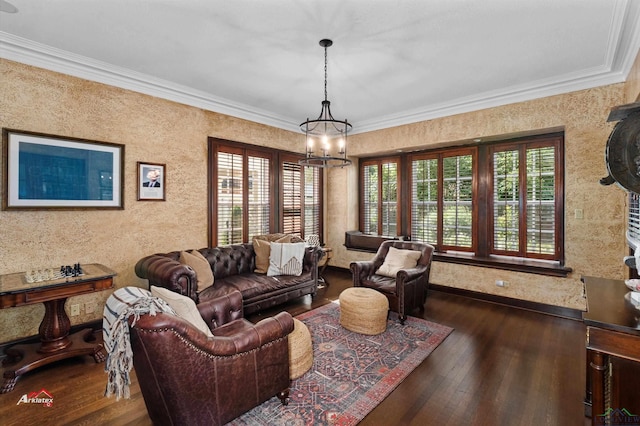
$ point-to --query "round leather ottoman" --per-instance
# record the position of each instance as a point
(300, 350)
(363, 310)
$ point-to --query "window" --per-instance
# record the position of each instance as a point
(243, 184)
(502, 199)
(380, 197)
(301, 206)
(633, 226)
(256, 190)
(442, 203)
(524, 206)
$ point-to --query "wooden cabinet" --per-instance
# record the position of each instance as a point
(613, 353)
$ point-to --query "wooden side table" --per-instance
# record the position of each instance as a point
(55, 341)
(326, 258)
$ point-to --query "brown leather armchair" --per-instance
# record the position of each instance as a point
(408, 290)
(188, 378)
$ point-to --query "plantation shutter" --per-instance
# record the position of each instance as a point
(370, 199)
(292, 198)
(524, 201)
(424, 200)
(633, 227)
(541, 201)
(389, 198)
(506, 201)
(258, 196)
(312, 202)
(457, 205)
(230, 198)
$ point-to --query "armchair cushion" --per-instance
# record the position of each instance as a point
(398, 259)
(198, 263)
(184, 307)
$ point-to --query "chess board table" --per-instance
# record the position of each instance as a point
(55, 341)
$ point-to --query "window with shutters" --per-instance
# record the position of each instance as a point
(242, 192)
(301, 198)
(442, 199)
(257, 190)
(633, 225)
(500, 200)
(525, 204)
(380, 197)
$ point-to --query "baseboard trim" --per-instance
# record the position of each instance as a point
(559, 311)
(95, 325)
(543, 308)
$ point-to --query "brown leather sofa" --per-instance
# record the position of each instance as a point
(408, 290)
(233, 269)
(187, 378)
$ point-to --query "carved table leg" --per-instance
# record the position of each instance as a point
(55, 344)
(598, 366)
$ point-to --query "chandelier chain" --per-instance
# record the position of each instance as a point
(325, 73)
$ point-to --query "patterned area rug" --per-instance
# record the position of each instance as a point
(351, 373)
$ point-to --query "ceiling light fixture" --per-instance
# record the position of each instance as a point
(325, 134)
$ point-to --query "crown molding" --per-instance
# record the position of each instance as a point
(28, 52)
(622, 50)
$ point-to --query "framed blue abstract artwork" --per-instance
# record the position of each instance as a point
(43, 171)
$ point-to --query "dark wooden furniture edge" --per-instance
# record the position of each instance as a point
(95, 325)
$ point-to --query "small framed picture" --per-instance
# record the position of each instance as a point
(151, 182)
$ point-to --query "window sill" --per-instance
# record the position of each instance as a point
(530, 266)
(356, 241)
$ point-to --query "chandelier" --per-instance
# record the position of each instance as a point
(326, 137)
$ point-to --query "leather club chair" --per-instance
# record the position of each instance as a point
(408, 290)
(188, 378)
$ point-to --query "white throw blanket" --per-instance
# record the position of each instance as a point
(120, 306)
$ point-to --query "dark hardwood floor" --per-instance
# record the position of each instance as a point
(500, 366)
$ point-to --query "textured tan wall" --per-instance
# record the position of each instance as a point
(160, 131)
(594, 245)
(152, 130)
(632, 85)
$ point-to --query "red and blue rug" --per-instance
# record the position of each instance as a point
(351, 373)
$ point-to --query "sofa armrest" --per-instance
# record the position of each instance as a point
(361, 270)
(408, 275)
(243, 339)
(312, 256)
(163, 271)
(221, 310)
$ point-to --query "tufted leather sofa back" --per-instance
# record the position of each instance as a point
(230, 260)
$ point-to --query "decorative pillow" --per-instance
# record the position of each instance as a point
(184, 307)
(313, 240)
(398, 259)
(286, 259)
(262, 248)
(198, 263)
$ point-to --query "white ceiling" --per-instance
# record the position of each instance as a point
(392, 62)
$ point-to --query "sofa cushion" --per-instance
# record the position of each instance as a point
(198, 263)
(286, 259)
(262, 248)
(184, 307)
(253, 286)
(398, 259)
